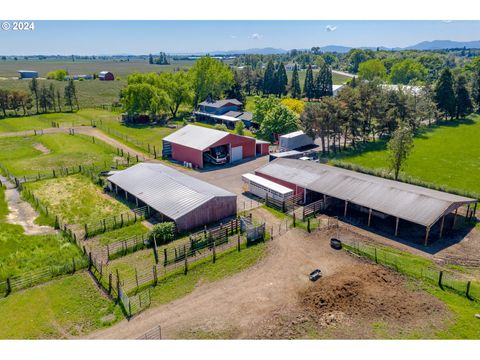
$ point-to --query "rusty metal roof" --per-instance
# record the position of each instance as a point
(409, 202)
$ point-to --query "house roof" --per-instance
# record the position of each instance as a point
(221, 103)
(243, 115)
(405, 201)
(165, 189)
(196, 137)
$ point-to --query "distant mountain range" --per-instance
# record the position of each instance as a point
(424, 45)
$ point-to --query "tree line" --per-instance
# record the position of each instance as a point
(41, 98)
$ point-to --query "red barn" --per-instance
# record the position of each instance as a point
(106, 76)
(200, 145)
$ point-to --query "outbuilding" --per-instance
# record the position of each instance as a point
(261, 187)
(295, 140)
(366, 198)
(174, 196)
(27, 74)
(198, 145)
(106, 76)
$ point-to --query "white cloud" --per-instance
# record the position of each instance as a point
(447, 21)
(255, 36)
(330, 28)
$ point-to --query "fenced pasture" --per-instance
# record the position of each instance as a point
(34, 155)
(66, 307)
(419, 268)
(455, 142)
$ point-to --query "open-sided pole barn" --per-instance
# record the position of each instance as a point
(369, 194)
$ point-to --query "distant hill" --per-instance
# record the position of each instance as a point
(445, 44)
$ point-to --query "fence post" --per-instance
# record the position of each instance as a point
(110, 283)
(308, 225)
(238, 242)
(9, 287)
(155, 276)
(118, 285)
(186, 261)
(214, 257)
(136, 277)
(440, 278)
(165, 257)
(294, 220)
(376, 260)
(467, 293)
(155, 253)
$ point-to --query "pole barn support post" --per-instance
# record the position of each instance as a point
(427, 233)
(454, 218)
(369, 217)
(396, 226)
(441, 227)
(346, 207)
(466, 216)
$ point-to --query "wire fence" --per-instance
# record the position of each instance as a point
(405, 264)
(152, 334)
(40, 275)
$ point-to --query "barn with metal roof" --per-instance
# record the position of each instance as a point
(198, 145)
(368, 194)
(173, 195)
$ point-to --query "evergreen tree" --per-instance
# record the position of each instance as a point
(34, 89)
(235, 92)
(444, 93)
(281, 80)
(295, 86)
(463, 101)
(476, 88)
(309, 86)
(269, 79)
(150, 59)
(323, 82)
(353, 82)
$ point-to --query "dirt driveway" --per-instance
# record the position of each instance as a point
(248, 304)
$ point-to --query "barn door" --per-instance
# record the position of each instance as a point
(237, 154)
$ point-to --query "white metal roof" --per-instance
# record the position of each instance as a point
(405, 201)
(293, 134)
(196, 137)
(165, 189)
(267, 183)
(286, 153)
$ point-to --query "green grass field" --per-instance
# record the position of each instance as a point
(75, 199)
(63, 308)
(447, 154)
(33, 154)
(20, 253)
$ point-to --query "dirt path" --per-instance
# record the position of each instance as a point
(245, 299)
(22, 213)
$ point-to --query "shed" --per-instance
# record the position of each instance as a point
(295, 140)
(292, 154)
(262, 188)
(27, 74)
(173, 195)
(106, 76)
(199, 145)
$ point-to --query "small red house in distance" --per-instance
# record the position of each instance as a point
(106, 76)
(199, 145)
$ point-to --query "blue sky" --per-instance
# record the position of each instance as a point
(143, 37)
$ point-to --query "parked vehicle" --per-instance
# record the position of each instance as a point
(335, 244)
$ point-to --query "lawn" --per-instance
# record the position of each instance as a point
(20, 253)
(66, 307)
(39, 154)
(76, 200)
(444, 155)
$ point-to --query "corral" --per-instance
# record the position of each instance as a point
(175, 196)
(347, 192)
(198, 145)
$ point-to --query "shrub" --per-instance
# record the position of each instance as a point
(221, 127)
(163, 233)
(239, 127)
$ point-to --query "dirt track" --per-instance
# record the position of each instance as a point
(254, 303)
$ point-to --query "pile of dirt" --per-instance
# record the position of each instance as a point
(350, 303)
(42, 148)
(368, 291)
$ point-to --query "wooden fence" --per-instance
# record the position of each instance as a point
(286, 205)
(152, 334)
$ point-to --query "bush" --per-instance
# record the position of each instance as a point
(57, 75)
(221, 127)
(163, 233)
(239, 127)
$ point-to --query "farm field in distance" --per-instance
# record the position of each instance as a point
(446, 154)
(33, 154)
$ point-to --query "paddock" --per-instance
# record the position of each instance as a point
(404, 210)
